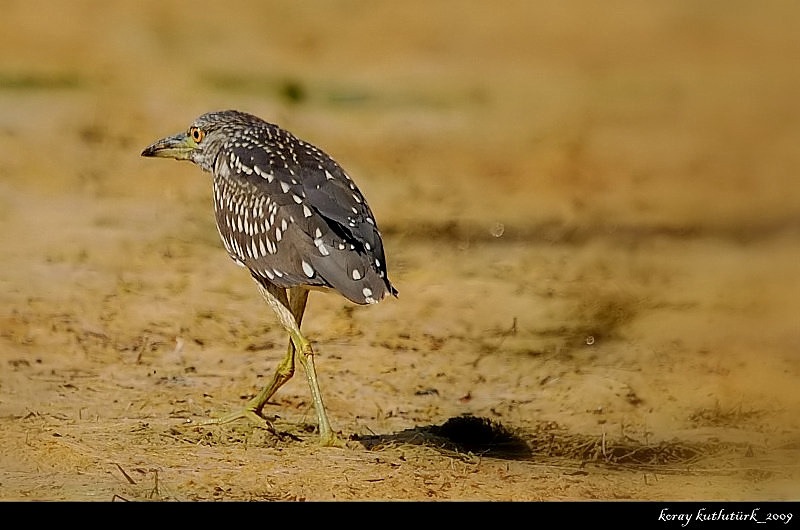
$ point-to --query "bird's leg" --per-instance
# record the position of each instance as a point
(252, 410)
(285, 370)
(288, 314)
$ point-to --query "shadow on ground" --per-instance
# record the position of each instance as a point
(470, 436)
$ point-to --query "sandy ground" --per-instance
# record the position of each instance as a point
(591, 213)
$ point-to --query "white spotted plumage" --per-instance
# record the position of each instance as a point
(288, 212)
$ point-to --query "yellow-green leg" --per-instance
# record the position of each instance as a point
(289, 308)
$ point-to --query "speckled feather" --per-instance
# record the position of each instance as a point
(288, 212)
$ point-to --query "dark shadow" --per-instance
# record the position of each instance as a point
(469, 436)
(461, 435)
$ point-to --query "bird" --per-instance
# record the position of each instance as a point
(294, 218)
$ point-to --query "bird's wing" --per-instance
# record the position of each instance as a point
(293, 217)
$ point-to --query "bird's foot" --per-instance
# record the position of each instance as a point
(329, 439)
(248, 413)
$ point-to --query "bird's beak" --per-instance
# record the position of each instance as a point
(178, 147)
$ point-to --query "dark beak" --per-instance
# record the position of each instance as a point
(179, 147)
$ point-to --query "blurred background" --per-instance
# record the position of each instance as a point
(591, 210)
(679, 115)
(484, 138)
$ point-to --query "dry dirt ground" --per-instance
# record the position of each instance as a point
(591, 212)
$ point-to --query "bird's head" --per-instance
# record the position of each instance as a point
(202, 142)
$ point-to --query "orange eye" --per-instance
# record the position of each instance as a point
(197, 134)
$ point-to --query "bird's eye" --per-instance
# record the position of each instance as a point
(197, 134)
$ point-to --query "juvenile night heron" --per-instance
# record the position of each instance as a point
(292, 216)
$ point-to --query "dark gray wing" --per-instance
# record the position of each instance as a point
(292, 216)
